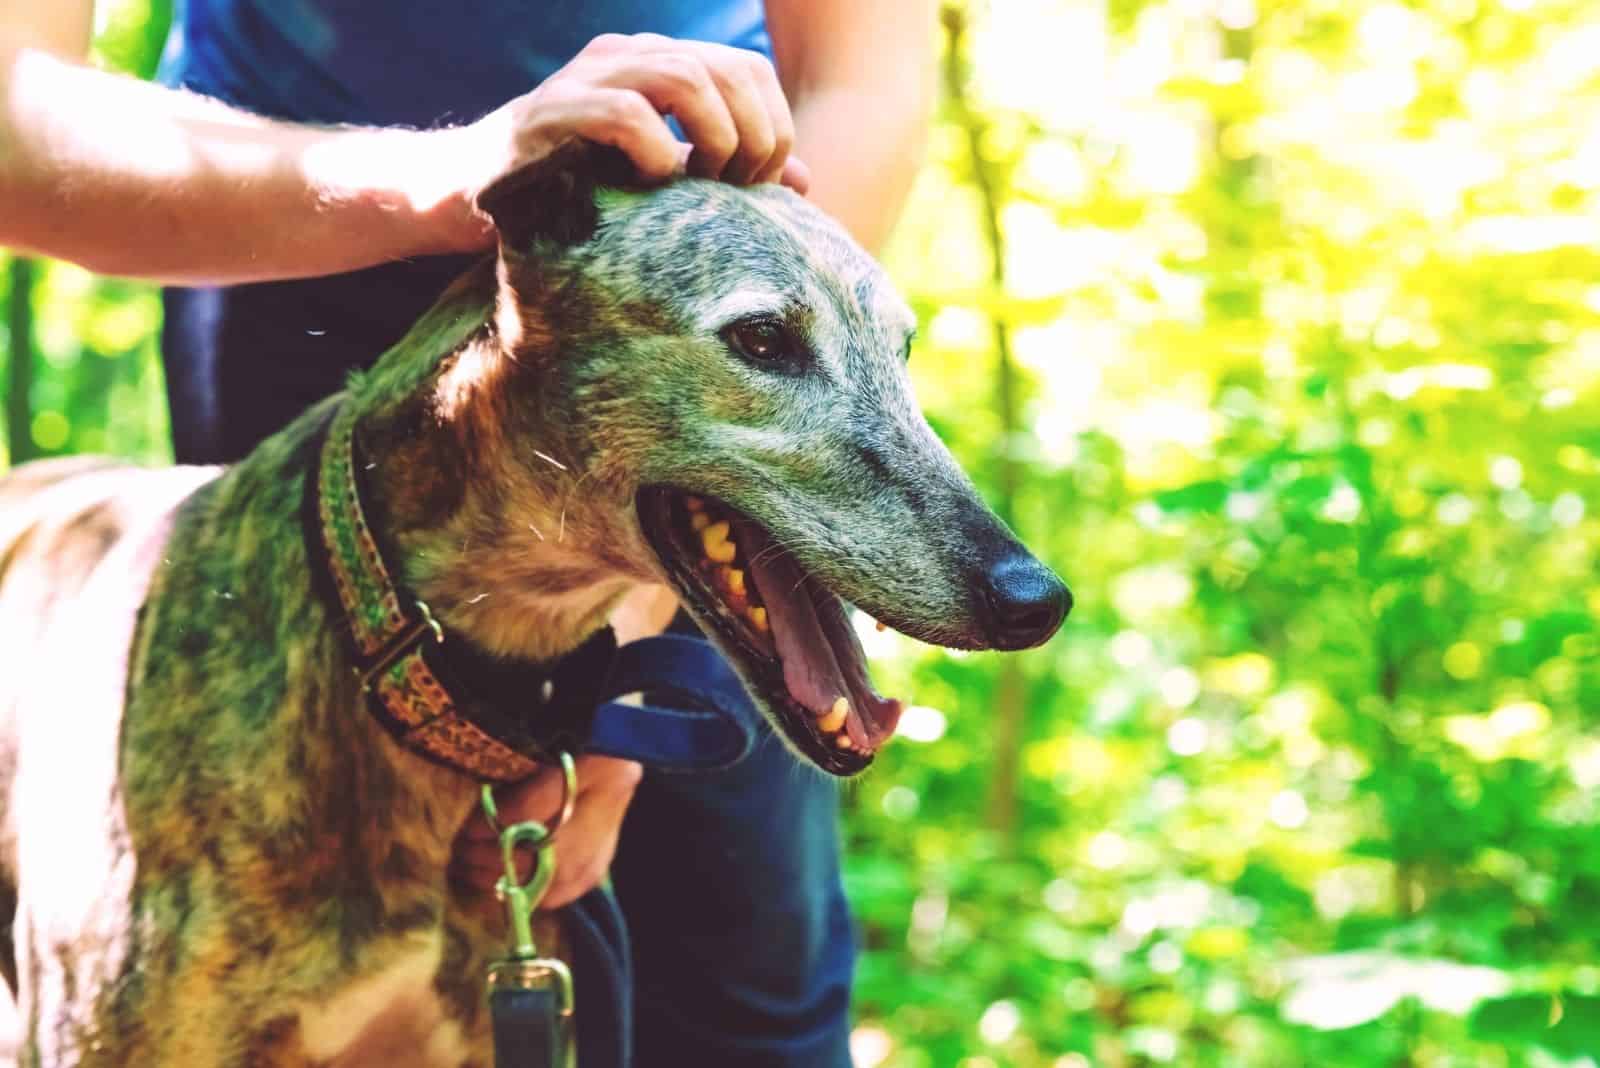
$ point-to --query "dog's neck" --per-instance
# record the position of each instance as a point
(488, 506)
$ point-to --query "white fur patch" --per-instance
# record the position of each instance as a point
(386, 1019)
(739, 304)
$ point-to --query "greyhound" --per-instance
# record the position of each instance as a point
(212, 852)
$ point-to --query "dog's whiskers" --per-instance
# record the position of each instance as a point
(770, 552)
(561, 533)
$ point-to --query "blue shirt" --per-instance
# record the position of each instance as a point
(420, 63)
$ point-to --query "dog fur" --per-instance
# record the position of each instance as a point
(210, 853)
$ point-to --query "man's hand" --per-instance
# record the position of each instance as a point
(584, 845)
(129, 178)
(616, 92)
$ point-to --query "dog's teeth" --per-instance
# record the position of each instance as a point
(758, 616)
(843, 742)
(834, 718)
(735, 580)
(714, 539)
(699, 521)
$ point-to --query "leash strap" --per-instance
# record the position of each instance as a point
(710, 723)
(531, 999)
(527, 1025)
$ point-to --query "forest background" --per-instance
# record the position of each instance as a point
(1275, 328)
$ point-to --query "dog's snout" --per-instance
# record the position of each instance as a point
(1022, 601)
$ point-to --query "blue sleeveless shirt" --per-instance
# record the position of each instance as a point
(418, 63)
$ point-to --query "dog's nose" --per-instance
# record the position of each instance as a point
(1023, 602)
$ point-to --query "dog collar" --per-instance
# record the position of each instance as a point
(440, 696)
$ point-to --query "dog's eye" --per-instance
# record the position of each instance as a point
(768, 344)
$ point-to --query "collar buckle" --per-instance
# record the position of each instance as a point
(401, 644)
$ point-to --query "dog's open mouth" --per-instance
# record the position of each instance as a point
(790, 637)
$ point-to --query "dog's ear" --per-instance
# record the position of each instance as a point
(553, 197)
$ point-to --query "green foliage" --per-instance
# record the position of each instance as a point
(81, 354)
(1302, 308)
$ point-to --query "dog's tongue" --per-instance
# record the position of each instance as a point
(822, 658)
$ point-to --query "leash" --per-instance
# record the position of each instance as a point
(531, 1000)
(455, 705)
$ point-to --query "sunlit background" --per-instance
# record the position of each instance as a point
(1276, 329)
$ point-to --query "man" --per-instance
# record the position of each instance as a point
(741, 941)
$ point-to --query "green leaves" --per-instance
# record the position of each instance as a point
(1316, 458)
(1565, 1025)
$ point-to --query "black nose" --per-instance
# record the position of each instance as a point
(1023, 602)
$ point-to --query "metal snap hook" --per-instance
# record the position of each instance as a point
(522, 898)
(569, 797)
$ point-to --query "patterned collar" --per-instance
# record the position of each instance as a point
(440, 696)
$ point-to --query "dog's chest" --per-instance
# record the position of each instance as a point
(393, 1016)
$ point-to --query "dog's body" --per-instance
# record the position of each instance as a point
(214, 853)
(254, 874)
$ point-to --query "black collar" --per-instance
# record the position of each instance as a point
(438, 694)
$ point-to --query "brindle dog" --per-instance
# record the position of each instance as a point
(210, 851)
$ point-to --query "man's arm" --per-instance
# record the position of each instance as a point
(125, 177)
(859, 75)
(62, 27)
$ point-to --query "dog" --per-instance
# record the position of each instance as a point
(213, 852)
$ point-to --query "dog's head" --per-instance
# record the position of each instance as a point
(723, 373)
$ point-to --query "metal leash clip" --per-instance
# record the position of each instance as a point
(530, 997)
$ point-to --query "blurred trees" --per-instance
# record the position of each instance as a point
(1276, 328)
(1305, 301)
(81, 356)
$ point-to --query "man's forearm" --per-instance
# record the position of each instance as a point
(129, 178)
(863, 149)
(859, 77)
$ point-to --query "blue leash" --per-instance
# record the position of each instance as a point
(710, 724)
(527, 1028)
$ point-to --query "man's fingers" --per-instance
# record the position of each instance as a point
(585, 849)
(796, 175)
(757, 139)
(749, 87)
(677, 82)
(607, 774)
(617, 91)
(628, 121)
(763, 80)
(609, 44)
(700, 83)
(539, 798)
(479, 864)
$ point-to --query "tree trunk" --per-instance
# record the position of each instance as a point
(1010, 711)
(19, 349)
